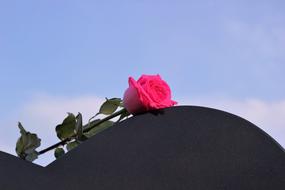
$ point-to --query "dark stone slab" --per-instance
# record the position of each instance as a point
(178, 148)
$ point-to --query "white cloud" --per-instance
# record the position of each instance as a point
(54, 109)
(5, 147)
(269, 116)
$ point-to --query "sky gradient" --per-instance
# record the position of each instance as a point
(63, 56)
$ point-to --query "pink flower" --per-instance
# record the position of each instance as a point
(150, 92)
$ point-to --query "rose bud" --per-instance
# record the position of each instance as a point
(150, 92)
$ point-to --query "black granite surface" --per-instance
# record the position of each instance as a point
(178, 148)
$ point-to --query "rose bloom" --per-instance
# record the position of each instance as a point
(150, 92)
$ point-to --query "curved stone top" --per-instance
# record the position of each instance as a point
(178, 148)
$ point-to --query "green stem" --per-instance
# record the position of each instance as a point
(104, 119)
(86, 129)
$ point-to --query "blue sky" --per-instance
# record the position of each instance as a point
(223, 54)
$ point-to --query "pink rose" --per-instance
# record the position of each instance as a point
(150, 92)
